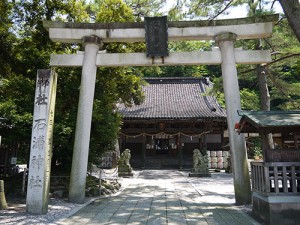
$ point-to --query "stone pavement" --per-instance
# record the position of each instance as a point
(159, 197)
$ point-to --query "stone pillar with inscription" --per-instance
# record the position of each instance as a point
(233, 104)
(84, 119)
(41, 143)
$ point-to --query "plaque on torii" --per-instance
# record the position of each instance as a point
(156, 36)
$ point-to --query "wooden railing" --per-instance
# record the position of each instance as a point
(282, 155)
(276, 177)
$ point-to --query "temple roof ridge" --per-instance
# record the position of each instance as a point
(175, 98)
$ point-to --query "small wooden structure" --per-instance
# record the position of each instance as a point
(276, 180)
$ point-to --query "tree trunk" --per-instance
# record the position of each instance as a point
(3, 204)
(262, 72)
(263, 88)
(291, 10)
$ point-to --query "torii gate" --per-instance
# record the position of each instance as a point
(93, 35)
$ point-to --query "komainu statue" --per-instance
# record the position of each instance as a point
(125, 158)
(124, 167)
(200, 165)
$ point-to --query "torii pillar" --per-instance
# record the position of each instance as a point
(84, 119)
(237, 142)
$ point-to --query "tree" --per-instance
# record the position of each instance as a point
(30, 51)
(283, 73)
(28, 48)
(6, 40)
(262, 73)
(114, 85)
(142, 8)
(291, 10)
(17, 112)
(14, 110)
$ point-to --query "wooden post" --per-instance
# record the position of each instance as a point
(265, 144)
(3, 204)
(24, 182)
(204, 145)
(180, 151)
(143, 151)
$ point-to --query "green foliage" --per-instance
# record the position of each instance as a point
(114, 11)
(197, 9)
(284, 75)
(31, 51)
(16, 107)
(190, 46)
(113, 86)
(249, 99)
(67, 97)
(255, 148)
(181, 71)
(177, 13)
(204, 8)
(24, 49)
(142, 8)
(6, 39)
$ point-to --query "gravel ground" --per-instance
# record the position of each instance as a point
(16, 214)
(57, 209)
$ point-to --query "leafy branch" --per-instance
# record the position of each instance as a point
(227, 6)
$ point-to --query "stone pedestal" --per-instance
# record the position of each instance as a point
(276, 209)
(125, 171)
(203, 172)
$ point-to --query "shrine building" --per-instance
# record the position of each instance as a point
(177, 116)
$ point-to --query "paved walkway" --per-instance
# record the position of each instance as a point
(159, 197)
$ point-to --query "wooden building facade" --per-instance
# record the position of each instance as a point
(176, 117)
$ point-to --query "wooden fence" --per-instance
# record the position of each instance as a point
(282, 155)
(276, 177)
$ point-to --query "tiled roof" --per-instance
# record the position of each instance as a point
(175, 98)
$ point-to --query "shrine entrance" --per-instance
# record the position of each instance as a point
(177, 116)
(223, 32)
